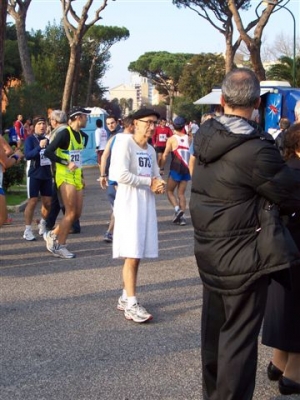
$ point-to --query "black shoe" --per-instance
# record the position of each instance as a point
(274, 373)
(287, 386)
(73, 231)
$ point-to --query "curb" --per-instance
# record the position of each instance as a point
(17, 208)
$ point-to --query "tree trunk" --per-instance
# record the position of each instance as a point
(256, 62)
(229, 58)
(24, 51)
(90, 82)
(66, 101)
(76, 76)
(3, 13)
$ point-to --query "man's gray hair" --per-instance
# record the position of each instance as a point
(59, 116)
(241, 88)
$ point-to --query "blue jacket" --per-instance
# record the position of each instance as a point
(32, 152)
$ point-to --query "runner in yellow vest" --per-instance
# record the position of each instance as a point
(65, 150)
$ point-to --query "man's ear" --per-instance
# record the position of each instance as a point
(222, 101)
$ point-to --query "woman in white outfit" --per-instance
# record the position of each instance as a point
(134, 167)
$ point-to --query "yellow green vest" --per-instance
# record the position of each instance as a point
(62, 172)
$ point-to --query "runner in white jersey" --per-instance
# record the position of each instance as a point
(135, 169)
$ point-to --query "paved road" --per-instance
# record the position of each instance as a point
(62, 337)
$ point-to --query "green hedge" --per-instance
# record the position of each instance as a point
(14, 175)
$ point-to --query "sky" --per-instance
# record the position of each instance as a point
(158, 25)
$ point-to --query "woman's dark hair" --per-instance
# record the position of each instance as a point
(99, 123)
(291, 141)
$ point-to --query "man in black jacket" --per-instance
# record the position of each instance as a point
(239, 183)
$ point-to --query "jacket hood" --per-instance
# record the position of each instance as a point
(217, 136)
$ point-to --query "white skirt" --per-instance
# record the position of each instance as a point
(135, 230)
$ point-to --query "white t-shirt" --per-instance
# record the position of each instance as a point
(100, 138)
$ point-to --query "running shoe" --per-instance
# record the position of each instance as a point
(178, 214)
(108, 237)
(137, 313)
(182, 221)
(28, 235)
(122, 304)
(8, 221)
(60, 250)
(42, 227)
(50, 239)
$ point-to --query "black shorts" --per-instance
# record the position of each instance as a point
(160, 149)
(36, 186)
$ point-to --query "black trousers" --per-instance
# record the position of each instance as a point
(229, 332)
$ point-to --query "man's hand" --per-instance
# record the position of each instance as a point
(103, 182)
(72, 166)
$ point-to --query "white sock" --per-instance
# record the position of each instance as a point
(177, 208)
(28, 227)
(124, 295)
(131, 301)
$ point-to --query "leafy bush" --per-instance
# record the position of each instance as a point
(14, 175)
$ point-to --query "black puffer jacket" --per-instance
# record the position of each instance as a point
(239, 175)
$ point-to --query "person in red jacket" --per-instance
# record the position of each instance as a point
(19, 127)
(159, 139)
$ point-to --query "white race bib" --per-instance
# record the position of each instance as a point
(44, 160)
(162, 137)
(144, 164)
(75, 157)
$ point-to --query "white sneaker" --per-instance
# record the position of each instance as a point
(137, 313)
(60, 250)
(42, 227)
(28, 235)
(122, 304)
(50, 240)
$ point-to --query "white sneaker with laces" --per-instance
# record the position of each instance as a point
(122, 304)
(28, 235)
(137, 313)
(42, 227)
(50, 239)
(60, 250)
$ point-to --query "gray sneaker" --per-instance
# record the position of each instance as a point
(60, 250)
(50, 239)
(122, 304)
(182, 221)
(137, 313)
(178, 214)
(108, 237)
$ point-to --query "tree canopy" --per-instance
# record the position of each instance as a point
(225, 16)
(201, 74)
(283, 70)
(164, 69)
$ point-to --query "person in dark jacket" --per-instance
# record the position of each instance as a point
(39, 177)
(238, 184)
(281, 329)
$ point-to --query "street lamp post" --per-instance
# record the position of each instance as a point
(294, 35)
